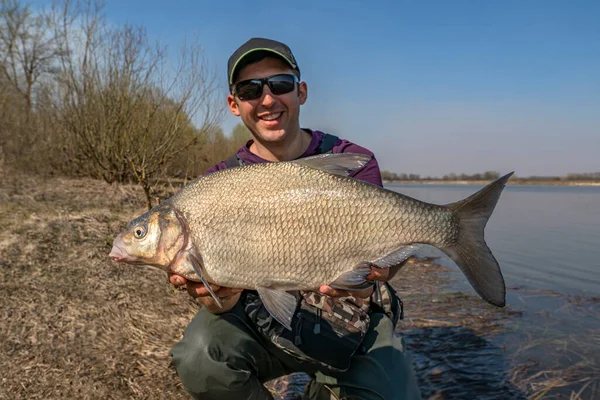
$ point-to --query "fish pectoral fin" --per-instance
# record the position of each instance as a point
(196, 265)
(338, 164)
(355, 279)
(397, 256)
(280, 304)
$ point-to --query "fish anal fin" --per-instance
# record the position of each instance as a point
(397, 256)
(280, 304)
(355, 279)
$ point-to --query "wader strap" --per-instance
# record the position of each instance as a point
(327, 143)
(234, 161)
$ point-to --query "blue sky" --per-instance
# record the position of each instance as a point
(431, 87)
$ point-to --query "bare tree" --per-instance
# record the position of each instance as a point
(127, 107)
(28, 54)
(27, 48)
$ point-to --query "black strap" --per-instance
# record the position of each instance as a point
(234, 161)
(327, 143)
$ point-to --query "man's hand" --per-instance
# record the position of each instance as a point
(377, 274)
(229, 296)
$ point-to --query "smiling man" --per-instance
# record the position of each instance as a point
(345, 341)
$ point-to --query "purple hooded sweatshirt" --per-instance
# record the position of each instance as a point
(369, 173)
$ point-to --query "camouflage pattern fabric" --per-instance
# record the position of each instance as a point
(349, 313)
(386, 298)
(326, 331)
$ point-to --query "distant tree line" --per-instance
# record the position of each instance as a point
(83, 97)
(488, 176)
(392, 176)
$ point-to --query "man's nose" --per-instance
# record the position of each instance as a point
(268, 99)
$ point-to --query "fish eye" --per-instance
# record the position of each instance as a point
(139, 232)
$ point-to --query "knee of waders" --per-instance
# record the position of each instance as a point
(198, 357)
(210, 356)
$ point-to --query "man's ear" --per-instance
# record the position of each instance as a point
(233, 106)
(302, 92)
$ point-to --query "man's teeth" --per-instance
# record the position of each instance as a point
(271, 117)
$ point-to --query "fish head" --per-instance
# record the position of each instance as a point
(155, 238)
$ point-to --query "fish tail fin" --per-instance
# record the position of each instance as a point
(470, 251)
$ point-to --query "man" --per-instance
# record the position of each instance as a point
(345, 340)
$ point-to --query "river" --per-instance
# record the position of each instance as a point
(547, 242)
(544, 237)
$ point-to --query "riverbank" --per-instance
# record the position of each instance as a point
(512, 181)
(76, 325)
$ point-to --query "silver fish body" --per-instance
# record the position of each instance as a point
(274, 227)
(289, 226)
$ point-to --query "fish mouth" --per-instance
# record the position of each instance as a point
(117, 254)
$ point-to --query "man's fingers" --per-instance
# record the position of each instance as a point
(197, 289)
(177, 280)
(331, 292)
(378, 274)
(386, 274)
(226, 292)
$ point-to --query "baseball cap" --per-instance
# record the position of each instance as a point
(236, 61)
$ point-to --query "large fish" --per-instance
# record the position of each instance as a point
(275, 227)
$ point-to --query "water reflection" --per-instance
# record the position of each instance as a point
(457, 363)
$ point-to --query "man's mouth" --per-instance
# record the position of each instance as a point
(271, 117)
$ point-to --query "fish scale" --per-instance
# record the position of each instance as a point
(306, 236)
(301, 224)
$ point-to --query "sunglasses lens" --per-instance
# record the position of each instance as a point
(282, 84)
(249, 90)
(252, 88)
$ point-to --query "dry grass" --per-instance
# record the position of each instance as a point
(76, 325)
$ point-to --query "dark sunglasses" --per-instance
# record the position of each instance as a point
(252, 88)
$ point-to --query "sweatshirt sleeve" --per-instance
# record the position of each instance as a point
(370, 172)
(220, 166)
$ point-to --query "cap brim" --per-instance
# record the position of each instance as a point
(233, 70)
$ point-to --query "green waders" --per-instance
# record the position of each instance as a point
(223, 357)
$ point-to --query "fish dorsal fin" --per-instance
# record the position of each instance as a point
(338, 164)
(280, 304)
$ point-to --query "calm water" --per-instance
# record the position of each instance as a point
(544, 237)
(547, 241)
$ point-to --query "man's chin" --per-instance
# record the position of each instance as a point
(272, 136)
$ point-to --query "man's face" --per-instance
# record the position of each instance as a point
(258, 114)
